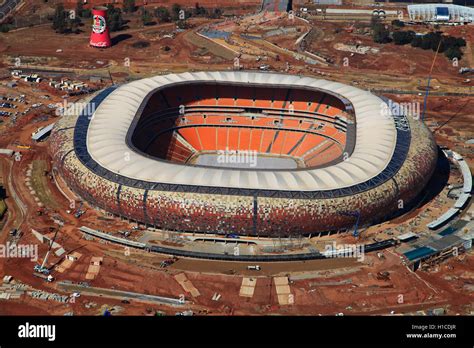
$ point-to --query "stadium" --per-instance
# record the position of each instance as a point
(167, 152)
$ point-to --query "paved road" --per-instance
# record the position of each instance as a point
(432, 93)
(6, 7)
(22, 209)
(18, 201)
(119, 294)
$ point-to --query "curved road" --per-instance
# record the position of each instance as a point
(22, 208)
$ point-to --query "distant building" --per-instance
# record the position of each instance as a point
(441, 13)
(41, 133)
(327, 2)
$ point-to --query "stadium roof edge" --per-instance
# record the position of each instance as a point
(106, 138)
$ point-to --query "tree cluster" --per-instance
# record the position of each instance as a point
(162, 14)
(147, 18)
(81, 11)
(403, 37)
(380, 32)
(65, 21)
(449, 45)
(114, 18)
(4, 28)
(129, 6)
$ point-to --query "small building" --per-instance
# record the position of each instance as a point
(7, 279)
(74, 256)
(328, 2)
(406, 237)
(32, 78)
(96, 260)
(42, 133)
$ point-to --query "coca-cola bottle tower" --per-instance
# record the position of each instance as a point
(100, 36)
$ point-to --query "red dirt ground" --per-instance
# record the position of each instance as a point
(140, 272)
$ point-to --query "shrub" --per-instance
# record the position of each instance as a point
(398, 23)
(453, 52)
(141, 44)
(403, 37)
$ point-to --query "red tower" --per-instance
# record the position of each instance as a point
(100, 36)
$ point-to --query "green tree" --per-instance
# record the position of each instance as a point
(74, 24)
(59, 19)
(129, 6)
(403, 37)
(4, 28)
(460, 42)
(199, 10)
(146, 17)
(79, 8)
(398, 23)
(426, 42)
(380, 32)
(115, 19)
(175, 11)
(86, 13)
(216, 13)
(435, 41)
(453, 52)
(162, 14)
(416, 42)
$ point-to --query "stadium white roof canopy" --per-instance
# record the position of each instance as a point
(107, 133)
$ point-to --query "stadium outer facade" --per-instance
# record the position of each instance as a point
(391, 162)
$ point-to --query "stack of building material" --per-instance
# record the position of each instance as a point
(94, 267)
(285, 297)
(187, 285)
(248, 287)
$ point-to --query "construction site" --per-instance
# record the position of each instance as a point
(62, 255)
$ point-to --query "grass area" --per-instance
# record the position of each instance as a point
(3, 208)
(39, 182)
(212, 47)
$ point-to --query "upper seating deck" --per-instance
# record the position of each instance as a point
(185, 119)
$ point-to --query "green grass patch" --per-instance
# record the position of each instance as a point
(3, 208)
(39, 182)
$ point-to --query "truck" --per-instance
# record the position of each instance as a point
(168, 262)
(79, 213)
(43, 270)
(254, 268)
(48, 278)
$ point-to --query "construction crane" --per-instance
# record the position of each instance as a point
(111, 78)
(425, 101)
(42, 268)
(355, 214)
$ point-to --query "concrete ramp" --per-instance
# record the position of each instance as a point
(187, 285)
